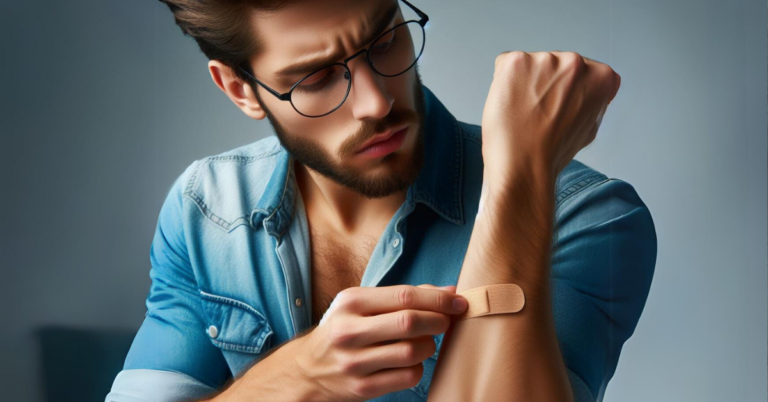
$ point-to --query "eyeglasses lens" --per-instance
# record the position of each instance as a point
(392, 54)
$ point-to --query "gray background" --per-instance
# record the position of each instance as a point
(103, 103)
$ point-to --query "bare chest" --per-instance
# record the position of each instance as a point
(337, 264)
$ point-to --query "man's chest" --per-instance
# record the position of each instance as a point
(336, 264)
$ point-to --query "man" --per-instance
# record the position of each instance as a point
(306, 266)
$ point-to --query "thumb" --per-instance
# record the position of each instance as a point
(450, 288)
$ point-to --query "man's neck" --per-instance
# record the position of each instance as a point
(342, 210)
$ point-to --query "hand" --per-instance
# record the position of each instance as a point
(372, 340)
(542, 108)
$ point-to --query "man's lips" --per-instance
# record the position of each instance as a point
(381, 137)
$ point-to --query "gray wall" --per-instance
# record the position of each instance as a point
(103, 103)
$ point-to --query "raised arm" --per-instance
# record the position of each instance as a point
(542, 108)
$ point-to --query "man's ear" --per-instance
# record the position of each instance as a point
(238, 91)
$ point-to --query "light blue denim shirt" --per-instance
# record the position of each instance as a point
(230, 263)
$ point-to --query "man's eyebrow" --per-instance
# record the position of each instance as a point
(311, 65)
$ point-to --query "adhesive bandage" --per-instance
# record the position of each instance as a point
(492, 299)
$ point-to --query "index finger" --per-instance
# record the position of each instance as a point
(387, 299)
(616, 78)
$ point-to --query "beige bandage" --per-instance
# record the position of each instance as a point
(492, 299)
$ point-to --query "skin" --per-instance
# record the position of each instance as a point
(375, 103)
(559, 99)
(344, 358)
(373, 340)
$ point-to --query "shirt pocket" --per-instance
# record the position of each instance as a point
(235, 326)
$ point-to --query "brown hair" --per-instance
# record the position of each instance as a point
(222, 28)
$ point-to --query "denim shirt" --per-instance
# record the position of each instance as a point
(230, 264)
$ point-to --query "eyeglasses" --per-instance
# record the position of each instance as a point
(324, 90)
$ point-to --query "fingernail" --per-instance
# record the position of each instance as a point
(459, 304)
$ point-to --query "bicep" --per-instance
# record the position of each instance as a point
(172, 357)
(603, 262)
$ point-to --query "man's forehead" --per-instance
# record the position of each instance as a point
(309, 29)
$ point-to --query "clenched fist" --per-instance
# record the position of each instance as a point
(542, 108)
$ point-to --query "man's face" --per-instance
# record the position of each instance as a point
(330, 144)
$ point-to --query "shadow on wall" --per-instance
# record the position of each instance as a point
(80, 364)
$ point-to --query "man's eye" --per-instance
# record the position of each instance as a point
(314, 79)
(384, 43)
(318, 81)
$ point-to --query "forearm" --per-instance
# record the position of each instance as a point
(515, 357)
(273, 378)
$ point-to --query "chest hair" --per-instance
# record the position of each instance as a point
(337, 264)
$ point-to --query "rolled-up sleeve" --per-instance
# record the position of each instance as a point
(171, 357)
(139, 385)
(603, 262)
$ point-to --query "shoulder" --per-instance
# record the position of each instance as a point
(225, 187)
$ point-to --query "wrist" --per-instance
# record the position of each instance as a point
(275, 377)
(299, 372)
(504, 168)
(522, 186)
(512, 235)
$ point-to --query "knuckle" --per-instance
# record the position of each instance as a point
(606, 72)
(408, 352)
(572, 56)
(349, 364)
(574, 61)
(507, 60)
(543, 55)
(340, 336)
(362, 388)
(347, 299)
(517, 57)
(500, 57)
(407, 321)
(405, 296)
(441, 302)
(414, 374)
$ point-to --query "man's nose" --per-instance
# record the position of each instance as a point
(368, 96)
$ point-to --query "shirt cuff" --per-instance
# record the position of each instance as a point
(143, 385)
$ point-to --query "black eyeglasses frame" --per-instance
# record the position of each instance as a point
(423, 19)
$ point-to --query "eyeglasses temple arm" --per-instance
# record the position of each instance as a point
(272, 91)
(424, 17)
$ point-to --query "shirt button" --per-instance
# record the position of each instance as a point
(395, 242)
(213, 332)
(299, 302)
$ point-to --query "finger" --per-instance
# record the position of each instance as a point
(394, 326)
(592, 134)
(403, 353)
(379, 300)
(390, 380)
(591, 62)
(600, 116)
(607, 79)
(617, 80)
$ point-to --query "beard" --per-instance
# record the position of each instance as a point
(403, 169)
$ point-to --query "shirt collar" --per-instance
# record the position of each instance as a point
(439, 184)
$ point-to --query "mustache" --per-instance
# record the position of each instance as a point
(371, 128)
